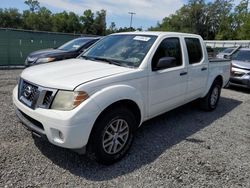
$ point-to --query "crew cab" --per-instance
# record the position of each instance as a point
(95, 103)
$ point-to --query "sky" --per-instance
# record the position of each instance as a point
(148, 12)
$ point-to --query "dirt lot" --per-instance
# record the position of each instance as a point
(182, 148)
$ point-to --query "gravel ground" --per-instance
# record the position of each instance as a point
(182, 148)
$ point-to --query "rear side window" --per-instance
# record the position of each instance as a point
(194, 50)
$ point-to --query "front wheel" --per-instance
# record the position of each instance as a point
(112, 135)
(210, 101)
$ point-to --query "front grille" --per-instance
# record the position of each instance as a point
(48, 99)
(35, 96)
(29, 93)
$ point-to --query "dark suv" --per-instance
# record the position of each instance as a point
(68, 50)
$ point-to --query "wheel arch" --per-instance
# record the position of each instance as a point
(218, 78)
(127, 103)
(116, 96)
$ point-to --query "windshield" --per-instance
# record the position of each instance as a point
(242, 55)
(73, 44)
(228, 50)
(122, 50)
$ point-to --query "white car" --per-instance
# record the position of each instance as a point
(96, 102)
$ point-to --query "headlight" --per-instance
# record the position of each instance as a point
(31, 59)
(68, 100)
(45, 60)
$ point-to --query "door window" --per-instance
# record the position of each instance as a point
(194, 50)
(169, 47)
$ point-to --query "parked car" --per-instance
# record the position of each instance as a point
(227, 53)
(210, 52)
(240, 74)
(71, 49)
(95, 103)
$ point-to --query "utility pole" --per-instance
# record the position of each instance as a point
(131, 18)
(247, 6)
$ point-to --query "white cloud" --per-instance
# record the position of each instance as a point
(148, 9)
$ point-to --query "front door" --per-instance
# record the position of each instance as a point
(167, 85)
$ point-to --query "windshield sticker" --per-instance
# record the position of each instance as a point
(141, 38)
(76, 46)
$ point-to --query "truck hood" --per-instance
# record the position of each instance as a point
(241, 64)
(68, 74)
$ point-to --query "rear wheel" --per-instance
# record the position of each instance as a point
(210, 101)
(112, 135)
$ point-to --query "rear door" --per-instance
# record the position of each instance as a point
(197, 68)
(167, 87)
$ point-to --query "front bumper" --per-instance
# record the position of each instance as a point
(30, 124)
(240, 82)
(67, 129)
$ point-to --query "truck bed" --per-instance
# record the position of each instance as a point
(217, 60)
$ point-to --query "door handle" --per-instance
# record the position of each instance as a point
(203, 68)
(183, 73)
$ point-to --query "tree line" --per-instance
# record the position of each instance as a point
(219, 19)
(42, 19)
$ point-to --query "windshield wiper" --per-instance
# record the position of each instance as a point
(109, 61)
(88, 58)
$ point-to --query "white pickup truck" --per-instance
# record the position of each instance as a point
(96, 102)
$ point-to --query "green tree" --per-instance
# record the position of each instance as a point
(87, 20)
(33, 5)
(30, 20)
(73, 23)
(60, 22)
(112, 28)
(189, 18)
(210, 20)
(44, 17)
(125, 29)
(241, 20)
(224, 19)
(100, 22)
(40, 20)
(10, 18)
(244, 33)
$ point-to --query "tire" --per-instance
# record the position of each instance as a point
(109, 141)
(210, 101)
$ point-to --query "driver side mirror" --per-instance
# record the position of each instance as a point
(164, 62)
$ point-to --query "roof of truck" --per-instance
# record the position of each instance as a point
(157, 33)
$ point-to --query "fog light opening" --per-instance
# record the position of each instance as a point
(60, 134)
